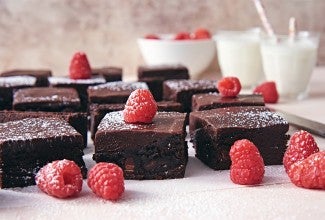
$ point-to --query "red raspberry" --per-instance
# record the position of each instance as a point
(152, 37)
(247, 166)
(182, 36)
(106, 180)
(301, 145)
(201, 33)
(61, 178)
(310, 172)
(79, 66)
(229, 86)
(269, 92)
(140, 107)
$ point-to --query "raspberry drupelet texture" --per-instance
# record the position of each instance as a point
(310, 172)
(106, 180)
(79, 67)
(229, 86)
(61, 178)
(140, 107)
(247, 166)
(301, 145)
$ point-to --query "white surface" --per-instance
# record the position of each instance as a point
(203, 193)
(194, 54)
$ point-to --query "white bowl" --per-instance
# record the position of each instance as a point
(196, 55)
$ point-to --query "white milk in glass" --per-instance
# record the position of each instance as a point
(239, 55)
(290, 63)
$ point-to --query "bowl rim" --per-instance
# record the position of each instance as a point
(176, 42)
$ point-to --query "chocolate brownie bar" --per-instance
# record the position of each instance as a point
(98, 112)
(182, 90)
(78, 120)
(113, 92)
(9, 84)
(214, 131)
(40, 75)
(110, 73)
(46, 99)
(144, 151)
(213, 100)
(155, 75)
(81, 85)
(27, 145)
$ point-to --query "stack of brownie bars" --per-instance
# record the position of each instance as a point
(46, 118)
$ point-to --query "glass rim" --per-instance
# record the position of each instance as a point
(299, 35)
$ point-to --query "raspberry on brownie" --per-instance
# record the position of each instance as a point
(144, 151)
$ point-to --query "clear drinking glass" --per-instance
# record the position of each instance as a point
(290, 62)
(239, 55)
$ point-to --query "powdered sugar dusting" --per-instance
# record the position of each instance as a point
(65, 80)
(185, 85)
(114, 121)
(13, 81)
(249, 117)
(61, 95)
(120, 86)
(31, 128)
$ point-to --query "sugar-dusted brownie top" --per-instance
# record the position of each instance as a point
(208, 101)
(163, 72)
(163, 122)
(55, 81)
(17, 81)
(46, 95)
(42, 98)
(35, 128)
(248, 117)
(113, 92)
(188, 85)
